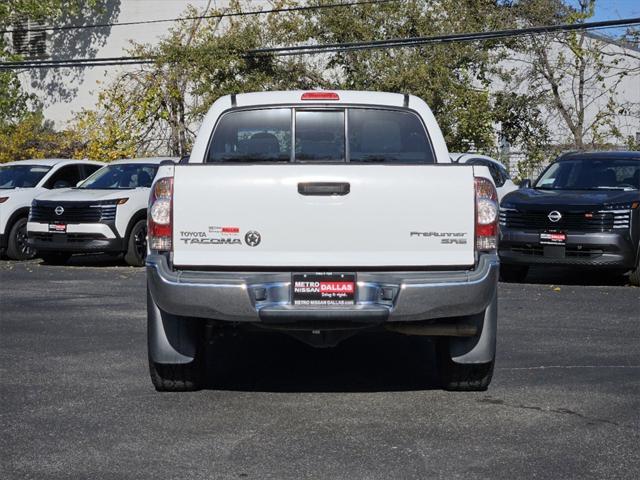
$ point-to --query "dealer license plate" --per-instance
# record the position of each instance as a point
(57, 228)
(324, 288)
(553, 238)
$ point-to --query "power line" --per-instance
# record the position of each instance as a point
(456, 37)
(335, 47)
(54, 28)
(69, 64)
(77, 62)
(80, 60)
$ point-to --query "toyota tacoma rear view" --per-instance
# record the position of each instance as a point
(321, 215)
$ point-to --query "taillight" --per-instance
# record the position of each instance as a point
(486, 215)
(160, 216)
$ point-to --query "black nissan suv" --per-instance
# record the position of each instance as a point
(583, 211)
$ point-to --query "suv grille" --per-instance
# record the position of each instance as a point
(74, 212)
(599, 221)
(576, 252)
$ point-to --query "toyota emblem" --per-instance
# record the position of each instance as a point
(59, 210)
(252, 238)
(554, 216)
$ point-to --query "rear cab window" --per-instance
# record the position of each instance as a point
(319, 136)
(252, 135)
(308, 135)
(387, 136)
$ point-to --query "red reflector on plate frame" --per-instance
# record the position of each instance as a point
(320, 96)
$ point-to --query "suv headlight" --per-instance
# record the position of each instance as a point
(621, 206)
(116, 201)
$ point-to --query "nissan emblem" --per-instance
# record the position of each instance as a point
(554, 216)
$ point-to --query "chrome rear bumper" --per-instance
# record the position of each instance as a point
(264, 297)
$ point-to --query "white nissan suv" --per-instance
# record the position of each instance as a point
(20, 182)
(106, 213)
(498, 172)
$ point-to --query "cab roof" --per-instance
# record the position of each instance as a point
(145, 160)
(49, 162)
(612, 155)
(342, 97)
(318, 99)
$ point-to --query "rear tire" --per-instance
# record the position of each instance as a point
(17, 247)
(634, 276)
(513, 273)
(137, 245)
(177, 377)
(473, 377)
(55, 258)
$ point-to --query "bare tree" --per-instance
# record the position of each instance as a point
(580, 76)
(154, 108)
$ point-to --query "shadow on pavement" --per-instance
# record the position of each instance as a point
(92, 260)
(364, 363)
(575, 276)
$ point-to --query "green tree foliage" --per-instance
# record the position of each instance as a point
(14, 10)
(34, 137)
(452, 78)
(153, 108)
(522, 123)
(156, 108)
(15, 104)
(574, 75)
(23, 131)
(200, 60)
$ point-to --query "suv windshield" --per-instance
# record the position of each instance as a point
(604, 174)
(321, 135)
(22, 176)
(121, 176)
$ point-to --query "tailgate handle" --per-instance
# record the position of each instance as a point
(324, 188)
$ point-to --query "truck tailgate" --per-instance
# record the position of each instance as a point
(281, 216)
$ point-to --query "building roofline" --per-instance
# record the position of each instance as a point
(613, 41)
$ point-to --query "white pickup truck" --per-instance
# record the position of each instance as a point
(321, 214)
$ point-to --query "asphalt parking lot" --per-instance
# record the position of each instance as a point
(77, 401)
